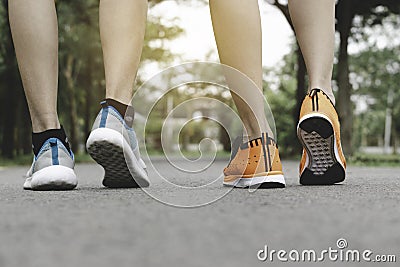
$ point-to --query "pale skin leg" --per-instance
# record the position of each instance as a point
(34, 29)
(240, 46)
(35, 35)
(122, 29)
(315, 34)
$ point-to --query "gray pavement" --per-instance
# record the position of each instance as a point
(94, 226)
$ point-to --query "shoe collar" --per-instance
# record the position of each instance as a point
(314, 91)
(105, 106)
(53, 141)
(265, 138)
(238, 143)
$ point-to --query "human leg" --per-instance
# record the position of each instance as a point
(323, 161)
(112, 142)
(240, 47)
(122, 28)
(237, 30)
(34, 29)
(315, 34)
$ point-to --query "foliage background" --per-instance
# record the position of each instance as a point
(364, 77)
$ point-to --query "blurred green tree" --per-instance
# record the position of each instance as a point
(81, 80)
(371, 12)
(281, 97)
(375, 75)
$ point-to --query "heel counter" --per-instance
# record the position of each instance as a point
(64, 157)
(276, 161)
(306, 106)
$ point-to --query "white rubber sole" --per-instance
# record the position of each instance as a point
(122, 168)
(270, 181)
(54, 177)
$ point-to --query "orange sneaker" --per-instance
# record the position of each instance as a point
(255, 164)
(323, 162)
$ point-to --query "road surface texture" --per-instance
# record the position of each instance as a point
(95, 226)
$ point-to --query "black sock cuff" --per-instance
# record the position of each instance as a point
(126, 111)
(38, 139)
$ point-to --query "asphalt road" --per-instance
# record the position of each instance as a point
(94, 226)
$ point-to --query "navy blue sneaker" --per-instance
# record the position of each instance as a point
(113, 145)
(52, 168)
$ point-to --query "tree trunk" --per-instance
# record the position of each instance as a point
(300, 90)
(224, 139)
(9, 116)
(88, 97)
(27, 138)
(9, 97)
(73, 116)
(395, 145)
(23, 130)
(345, 106)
